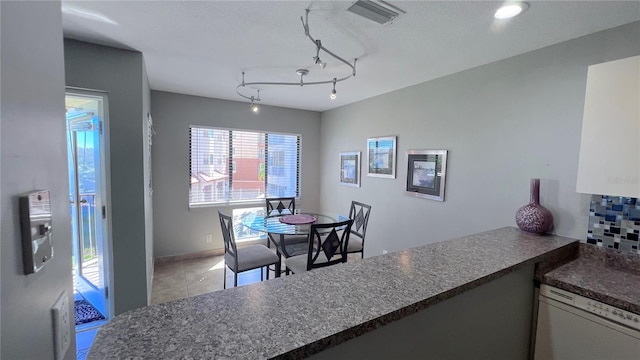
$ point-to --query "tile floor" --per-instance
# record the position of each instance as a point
(84, 339)
(85, 334)
(186, 278)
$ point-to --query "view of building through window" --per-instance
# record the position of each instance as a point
(235, 166)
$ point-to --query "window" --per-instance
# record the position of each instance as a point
(242, 166)
(243, 233)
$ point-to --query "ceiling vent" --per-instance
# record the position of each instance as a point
(378, 11)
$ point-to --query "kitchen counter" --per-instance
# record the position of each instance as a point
(606, 275)
(303, 314)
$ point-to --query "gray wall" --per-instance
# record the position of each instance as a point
(33, 158)
(502, 123)
(120, 74)
(178, 230)
(492, 321)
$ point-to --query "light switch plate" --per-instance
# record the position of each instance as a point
(61, 325)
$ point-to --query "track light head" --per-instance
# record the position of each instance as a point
(333, 92)
(319, 62)
(254, 107)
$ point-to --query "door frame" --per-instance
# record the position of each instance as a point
(105, 189)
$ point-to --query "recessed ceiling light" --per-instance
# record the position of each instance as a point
(509, 10)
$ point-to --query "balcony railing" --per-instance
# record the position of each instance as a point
(87, 227)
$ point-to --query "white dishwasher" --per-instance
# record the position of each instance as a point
(571, 326)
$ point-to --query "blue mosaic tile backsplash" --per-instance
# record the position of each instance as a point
(614, 222)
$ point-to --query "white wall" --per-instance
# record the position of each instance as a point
(121, 74)
(178, 230)
(503, 124)
(33, 158)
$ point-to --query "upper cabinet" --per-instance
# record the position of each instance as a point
(609, 161)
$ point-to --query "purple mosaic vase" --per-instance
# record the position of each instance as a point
(534, 218)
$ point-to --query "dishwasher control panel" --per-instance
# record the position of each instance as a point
(606, 311)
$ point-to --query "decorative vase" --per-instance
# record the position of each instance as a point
(534, 218)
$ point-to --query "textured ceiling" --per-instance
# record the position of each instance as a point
(202, 47)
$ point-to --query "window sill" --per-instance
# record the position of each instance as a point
(232, 204)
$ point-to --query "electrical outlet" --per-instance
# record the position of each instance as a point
(384, 252)
(61, 325)
(208, 238)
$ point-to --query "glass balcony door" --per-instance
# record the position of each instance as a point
(87, 196)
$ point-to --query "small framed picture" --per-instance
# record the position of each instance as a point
(350, 168)
(426, 172)
(381, 153)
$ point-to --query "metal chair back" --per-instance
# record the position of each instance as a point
(276, 206)
(359, 213)
(330, 240)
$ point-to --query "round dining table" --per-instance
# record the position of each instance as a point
(278, 224)
(282, 225)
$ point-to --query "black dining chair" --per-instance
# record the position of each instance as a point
(286, 245)
(280, 205)
(327, 246)
(239, 259)
(359, 213)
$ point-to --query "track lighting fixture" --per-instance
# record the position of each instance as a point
(316, 58)
(320, 63)
(241, 88)
(333, 93)
(302, 73)
(254, 106)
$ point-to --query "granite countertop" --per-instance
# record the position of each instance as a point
(606, 275)
(302, 314)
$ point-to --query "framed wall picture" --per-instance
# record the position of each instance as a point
(350, 168)
(426, 172)
(381, 155)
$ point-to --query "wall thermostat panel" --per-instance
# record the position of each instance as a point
(36, 226)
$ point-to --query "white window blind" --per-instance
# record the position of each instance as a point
(234, 166)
